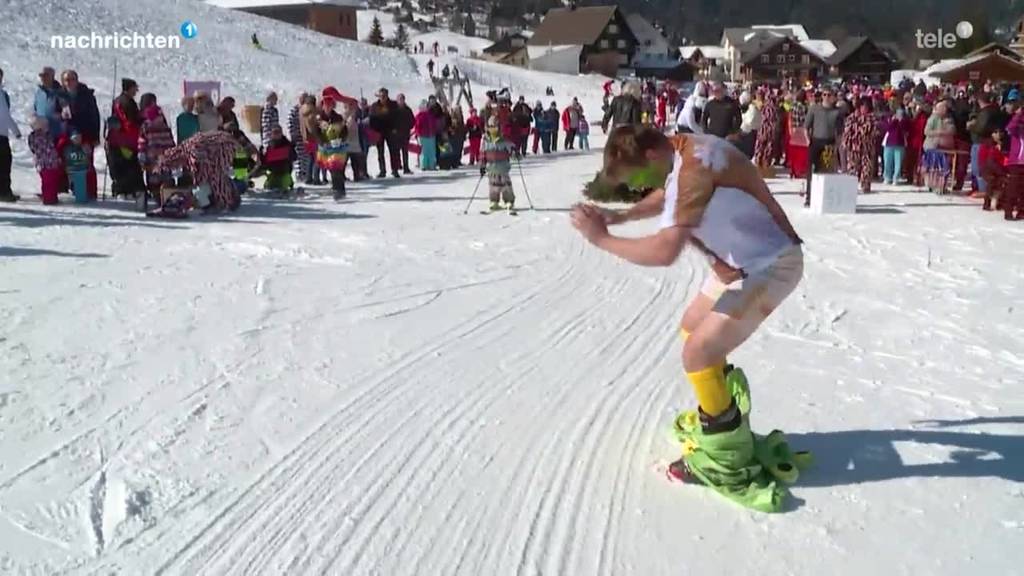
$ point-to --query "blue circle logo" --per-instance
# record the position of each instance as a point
(188, 30)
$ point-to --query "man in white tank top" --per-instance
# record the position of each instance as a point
(709, 195)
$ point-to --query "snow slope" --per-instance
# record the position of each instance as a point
(386, 386)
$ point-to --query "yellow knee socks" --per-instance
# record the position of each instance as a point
(709, 385)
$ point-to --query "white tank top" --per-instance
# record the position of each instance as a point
(735, 226)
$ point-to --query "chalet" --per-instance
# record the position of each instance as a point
(780, 58)
(997, 48)
(983, 68)
(738, 43)
(859, 57)
(599, 35)
(332, 17)
(509, 50)
(650, 41)
(704, 59)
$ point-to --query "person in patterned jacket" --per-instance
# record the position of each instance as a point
(155, 138)
(269, 118)
(860, 133)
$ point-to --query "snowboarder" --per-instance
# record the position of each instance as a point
(709, 195)
(256, 42)
(430, 68)
(496, 164)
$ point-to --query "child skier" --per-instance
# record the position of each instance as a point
(277, 160)
(47, 161)
(496, 163)
(709, 195)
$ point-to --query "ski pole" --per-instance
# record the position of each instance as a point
(525, 190)
(473, 197)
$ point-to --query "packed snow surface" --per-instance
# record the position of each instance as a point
(387, 386)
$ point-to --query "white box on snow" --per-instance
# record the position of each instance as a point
(833, 194)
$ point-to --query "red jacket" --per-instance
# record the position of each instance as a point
(991, 160)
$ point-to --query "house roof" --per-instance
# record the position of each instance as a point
(566, 26)
(504, 46)
(823, 48)
(795, 30)
(850, 46)
(757, 41)
(997, 48)
(752, 56)
(711, 52)
(993, 65)
(238, 4)
(646, 34)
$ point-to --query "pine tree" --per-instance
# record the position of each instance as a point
(456, 22)
(470, 28)
(376, 34)
(401, 39)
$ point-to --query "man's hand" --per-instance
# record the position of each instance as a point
(590, 221)
(611, 217)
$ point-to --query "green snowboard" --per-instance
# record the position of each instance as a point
(747, 468)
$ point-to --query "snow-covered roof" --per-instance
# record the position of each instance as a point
(795, 30)
(236, 4)
(710, 51)
(823, 48)
(944, 66)
(649, 38)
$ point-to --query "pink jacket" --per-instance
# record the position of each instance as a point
(1015, 130)
(425, 125)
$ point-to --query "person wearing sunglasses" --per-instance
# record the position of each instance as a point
(706, 194)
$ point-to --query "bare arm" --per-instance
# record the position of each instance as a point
(652, 205)
(661, 249)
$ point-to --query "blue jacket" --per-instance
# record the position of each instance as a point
(48, 104)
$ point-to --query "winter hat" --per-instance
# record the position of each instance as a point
(1013, 95)
(127, 84)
